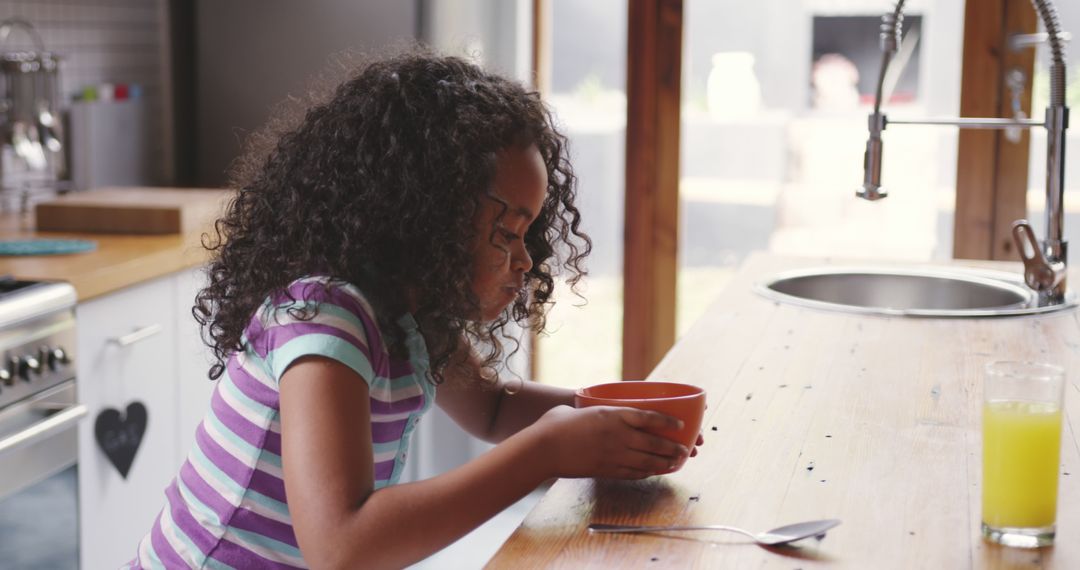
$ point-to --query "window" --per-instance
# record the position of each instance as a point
(588, 94)
(775, 99)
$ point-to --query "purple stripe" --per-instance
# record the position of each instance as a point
(234, 421)
(337, 296)
(377, 353)
(272, 443)
(384, 469)
(239, 557)
(254, 522)
(399, 368)
(237, 424)
(267, 484)
(222, 459)
(163, 549)
(407, 405)
(255, 327)
(205, 493)
(250, 386)
(382, 432)
(279, 336)
(187, 524)
(318, 292)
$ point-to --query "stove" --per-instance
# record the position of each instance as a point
(39, 417)
(38, 407)
(37, 337)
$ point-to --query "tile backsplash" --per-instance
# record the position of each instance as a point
(106, 41)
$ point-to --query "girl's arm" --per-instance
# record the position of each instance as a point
(489, 412)
(327, 457)
(493, 414)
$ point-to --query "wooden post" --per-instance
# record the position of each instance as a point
(541, 76)
(541, 42)
(654, 74)
(991, 171)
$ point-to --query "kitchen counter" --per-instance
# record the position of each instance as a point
(119, 260)
(812, 415)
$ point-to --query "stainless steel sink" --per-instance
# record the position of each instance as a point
(921, 292)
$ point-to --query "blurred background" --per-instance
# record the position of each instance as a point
(774, 100)
(775, 95)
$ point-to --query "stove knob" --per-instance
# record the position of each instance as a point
(29, 364)
(56, 358)
(10, 370)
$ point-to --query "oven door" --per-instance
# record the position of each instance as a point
(38, 484)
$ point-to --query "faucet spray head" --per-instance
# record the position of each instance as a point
(871, 188)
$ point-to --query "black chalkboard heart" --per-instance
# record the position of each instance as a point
(119, 436)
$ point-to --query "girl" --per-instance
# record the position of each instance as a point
(364, 271)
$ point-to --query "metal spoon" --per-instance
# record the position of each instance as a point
(775, 537)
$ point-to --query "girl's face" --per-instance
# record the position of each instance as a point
(500, 260)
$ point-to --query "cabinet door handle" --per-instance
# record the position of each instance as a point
(136, 335)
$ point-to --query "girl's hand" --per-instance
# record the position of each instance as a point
(608, 442)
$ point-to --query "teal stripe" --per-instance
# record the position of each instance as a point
(155, 561)
(321, 306)
(385, 396)
(342, 313)
(395, 383)
(269, 503)
(321, 345)
(216, 564)
(282, 318)
(265, 542)
(384, 447)
(179, 532)
(200, 458)
(198, 506)
(271, 458)
(244, 493)
(251, 453)
(247, 403)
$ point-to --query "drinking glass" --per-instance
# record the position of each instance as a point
(1021, 426)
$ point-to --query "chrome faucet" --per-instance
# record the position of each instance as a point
(1045, 263)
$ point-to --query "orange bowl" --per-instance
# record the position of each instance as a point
(682, 401)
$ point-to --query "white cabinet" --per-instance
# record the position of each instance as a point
(136, 344)
(194, 387)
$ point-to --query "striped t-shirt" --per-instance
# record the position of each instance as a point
(227, 507)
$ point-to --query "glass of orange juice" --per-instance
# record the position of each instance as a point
(1021, 426)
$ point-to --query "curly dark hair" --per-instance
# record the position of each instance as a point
(378, 185)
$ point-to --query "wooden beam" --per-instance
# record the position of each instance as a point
(654, 74)
(991, 172)
(541, 76)
(541, 45)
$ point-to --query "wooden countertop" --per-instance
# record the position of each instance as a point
(814, 415)
(119, 260)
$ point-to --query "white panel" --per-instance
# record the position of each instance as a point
(115, 511)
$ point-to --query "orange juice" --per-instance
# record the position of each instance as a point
(1021, 450)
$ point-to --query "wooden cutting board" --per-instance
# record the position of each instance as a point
(132, 210)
